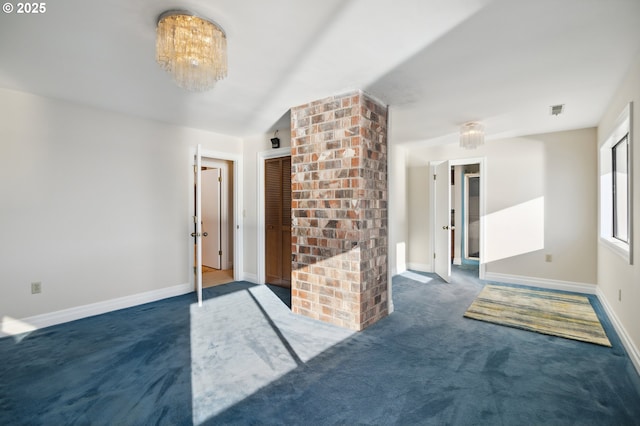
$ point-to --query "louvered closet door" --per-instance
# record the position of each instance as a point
(278, 221)
(285, 230)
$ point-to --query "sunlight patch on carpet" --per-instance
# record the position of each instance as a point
(557, 314)
(416, 277)
(246, 340)
(16, 328)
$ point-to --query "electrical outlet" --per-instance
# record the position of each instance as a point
(36, 288)
(547, 258)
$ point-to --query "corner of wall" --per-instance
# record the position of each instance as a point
(632, 349)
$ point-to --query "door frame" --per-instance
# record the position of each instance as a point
(260, 228)
(212, 229)
(482, 161)
(224, 207)
(465, 219)
(238, 247)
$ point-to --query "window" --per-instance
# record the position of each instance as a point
(620, 188)
(615, 187)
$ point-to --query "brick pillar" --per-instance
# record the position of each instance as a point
(339, 207)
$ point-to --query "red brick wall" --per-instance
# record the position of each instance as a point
(339, 210)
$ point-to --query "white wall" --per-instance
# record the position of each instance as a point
(398, 215)
(397, 209)
(94, 204)
(614, 273)
(541, 199)
(419, 255)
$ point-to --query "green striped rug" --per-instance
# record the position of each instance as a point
(566, 315)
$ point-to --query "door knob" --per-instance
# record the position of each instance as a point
(204, 234)
(445, 227)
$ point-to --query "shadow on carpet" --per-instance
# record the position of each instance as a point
(244, 358)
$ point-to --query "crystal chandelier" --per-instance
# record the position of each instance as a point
(471, 135)
(191, 49)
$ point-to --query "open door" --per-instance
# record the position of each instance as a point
(211, 218)
(197, 234)
(442, 249)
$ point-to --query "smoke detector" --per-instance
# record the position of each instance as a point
(556, 109)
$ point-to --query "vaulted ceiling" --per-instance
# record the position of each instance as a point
(437, 63)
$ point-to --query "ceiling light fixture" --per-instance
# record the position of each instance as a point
(193, 50)
(471, 135)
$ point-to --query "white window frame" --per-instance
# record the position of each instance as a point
(622, 129)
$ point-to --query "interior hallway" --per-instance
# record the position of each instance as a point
(212, 277)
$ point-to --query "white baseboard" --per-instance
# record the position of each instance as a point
(420, 267)
(457, 261)
(252, 278)
(632, 350)
(541, 282)
(11, 327)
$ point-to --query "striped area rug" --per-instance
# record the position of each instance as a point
(558, 314)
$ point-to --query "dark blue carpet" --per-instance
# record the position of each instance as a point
(243, 358)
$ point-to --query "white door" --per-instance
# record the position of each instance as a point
(211, 218)
(442, 249)
(197, 234)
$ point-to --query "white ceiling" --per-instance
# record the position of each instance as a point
(437, 63)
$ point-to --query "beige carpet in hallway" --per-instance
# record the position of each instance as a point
(212, 277)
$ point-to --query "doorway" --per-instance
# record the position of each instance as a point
(217, 224)
(277, 219)
(465, 213)
(457, 211)
(471, 213)
(234, 197)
